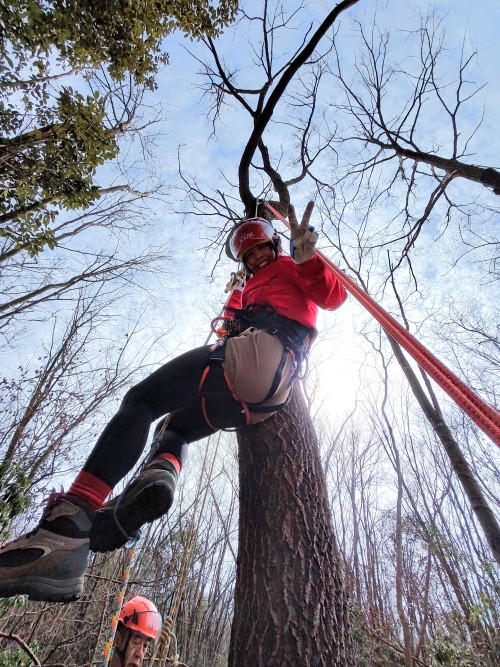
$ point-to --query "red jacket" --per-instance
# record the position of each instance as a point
(293, 290)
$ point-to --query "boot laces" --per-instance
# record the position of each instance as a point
(52, 501)
(54, 496)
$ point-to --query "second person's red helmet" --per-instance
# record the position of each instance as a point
(141, 615)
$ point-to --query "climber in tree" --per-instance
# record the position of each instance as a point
(242, 380)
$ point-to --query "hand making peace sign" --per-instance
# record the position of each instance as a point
(303, 237)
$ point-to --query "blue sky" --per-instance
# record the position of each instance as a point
(211, 160)
(187, 300)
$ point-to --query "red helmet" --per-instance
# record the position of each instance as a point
(141, 615)
(250, 233)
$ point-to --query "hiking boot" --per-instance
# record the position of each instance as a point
(144, 499)
(49, 562)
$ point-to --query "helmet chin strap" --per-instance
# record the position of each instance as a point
(121, 653)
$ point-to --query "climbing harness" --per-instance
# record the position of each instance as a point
(214, 384)
(292, 334)
(483, 414)
(295, 338)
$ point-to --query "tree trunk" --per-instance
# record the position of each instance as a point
(478, 501)
(290, 605)
(403, 618)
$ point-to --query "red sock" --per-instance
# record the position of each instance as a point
(169, 457)
(89, 488)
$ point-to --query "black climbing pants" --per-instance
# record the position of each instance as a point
(173, 389)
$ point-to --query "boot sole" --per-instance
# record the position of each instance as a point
(43, 589)
(152, 502)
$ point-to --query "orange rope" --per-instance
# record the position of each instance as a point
(483, 414)
(108, 644)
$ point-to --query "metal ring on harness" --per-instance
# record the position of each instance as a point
(213, 324)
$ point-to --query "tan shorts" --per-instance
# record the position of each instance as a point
(252, 359)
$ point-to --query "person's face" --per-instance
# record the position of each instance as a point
(136, 649)
(259, 256)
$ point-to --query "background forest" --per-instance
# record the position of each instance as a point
(121, 141)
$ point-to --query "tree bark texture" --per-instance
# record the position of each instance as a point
(290, 604)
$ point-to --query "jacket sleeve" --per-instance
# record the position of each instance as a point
(234, 301)
(320, 285)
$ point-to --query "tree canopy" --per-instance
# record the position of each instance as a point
(53, 133)
(126, 36)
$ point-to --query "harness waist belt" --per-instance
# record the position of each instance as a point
(292, 334)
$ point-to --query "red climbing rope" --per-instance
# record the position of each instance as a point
(483, 414)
